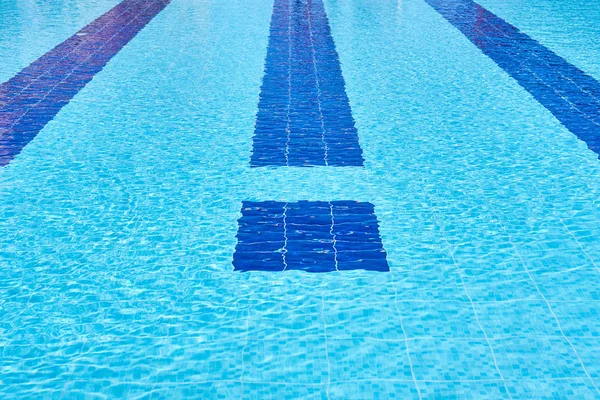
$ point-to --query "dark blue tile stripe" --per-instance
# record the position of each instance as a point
(304, 117)
(312, 236)
(29, 100)
(566, 91)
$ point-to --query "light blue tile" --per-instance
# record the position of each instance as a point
(366, 359)
(588, 350)
(463, 390)
(450, 319)
(187, 390)
(432, 282)
(501, 287)
(435, 359)
(568, 284)
(373, 389)
(301, 360)
(359, 287)
(552, 389)
(537, 358)
(517, 318)
(355, 319)
(282, 390)
(285, 316)
(578, 318)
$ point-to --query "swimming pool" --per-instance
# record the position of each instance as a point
(194, 132)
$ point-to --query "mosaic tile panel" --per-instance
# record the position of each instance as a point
(312, 236)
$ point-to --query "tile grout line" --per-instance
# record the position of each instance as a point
(326, 346)
(522, 262)
(579, 244)
(410, 363)
(487, 340)
(243, 367)
(334, 237)
(261, 382)
(312, 46)
(545, 300)
(285, 238)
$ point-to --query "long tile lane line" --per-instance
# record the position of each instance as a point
(307, 122)
(56, 75)
(37, 68)
(45, 64)
(26, 125)
(566, 91)
(22, 122)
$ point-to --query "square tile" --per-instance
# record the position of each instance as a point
(578, 388)
(578, 318)
(360, 287)
(220, 323)
(441, 319)
(351, 320)
(365, 359)
(536, 358)
(300, 360)
(463, 390)
(588, 350)
(287, 316)
(452, 359)
(433, 283)
(278, 391)
(569, 285)
(501, 287)
(196, 361)
(373, 389)
(517, 318)
(208, 390)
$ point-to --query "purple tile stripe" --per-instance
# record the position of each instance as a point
(34, 96)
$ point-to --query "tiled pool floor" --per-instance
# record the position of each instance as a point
(299, 199)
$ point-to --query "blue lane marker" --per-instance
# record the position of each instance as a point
(304, 117)
(30, 99)
(313, 236)
(566, 91)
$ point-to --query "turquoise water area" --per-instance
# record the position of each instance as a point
(118, 221)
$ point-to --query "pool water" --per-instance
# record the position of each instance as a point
(473, 272)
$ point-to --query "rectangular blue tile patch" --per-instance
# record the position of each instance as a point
(304, 117)
(565, 90)
(30, 99)
(312, 236)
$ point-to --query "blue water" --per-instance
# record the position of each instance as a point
(118, 222)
